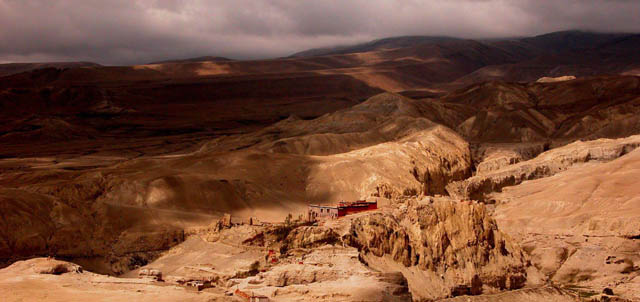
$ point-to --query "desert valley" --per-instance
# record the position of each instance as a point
(501, 170)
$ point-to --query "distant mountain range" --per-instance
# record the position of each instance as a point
(552, 42)
(549, 54)
(13, 68)
(386, 43)
(195, 60)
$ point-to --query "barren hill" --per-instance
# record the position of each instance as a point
(582, 108)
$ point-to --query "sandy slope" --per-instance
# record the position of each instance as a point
(22, 282)
(581, 226)
(594, 199)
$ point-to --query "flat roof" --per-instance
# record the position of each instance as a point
(345, 204)
(319, 206)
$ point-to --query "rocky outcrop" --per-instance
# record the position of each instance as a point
(295, 275)
(580, 226)
(433, 248)
(492, 157)
(48, 266)
(422, 163)
(309, 237)
(326, 273)
(548, 294)
(443, 248)
(546, 164)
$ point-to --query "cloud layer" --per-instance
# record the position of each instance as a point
(133, 32)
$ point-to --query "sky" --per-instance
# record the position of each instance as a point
(124, 32)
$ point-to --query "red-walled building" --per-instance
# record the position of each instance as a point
(343, 208)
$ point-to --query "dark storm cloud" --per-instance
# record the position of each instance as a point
(127, 31)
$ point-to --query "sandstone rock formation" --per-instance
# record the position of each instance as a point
(550, 294)
(45, 266)
(418, 250)
(309, 237)
(580, 225)
(491, 157)
(444, 249)
(544, 165)
(22, 281)
(328, 273)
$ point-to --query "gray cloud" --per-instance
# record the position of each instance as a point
(130, 32)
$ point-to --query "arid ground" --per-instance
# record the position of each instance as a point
(504, 170)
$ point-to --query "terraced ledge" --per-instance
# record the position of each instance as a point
(544, 165)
